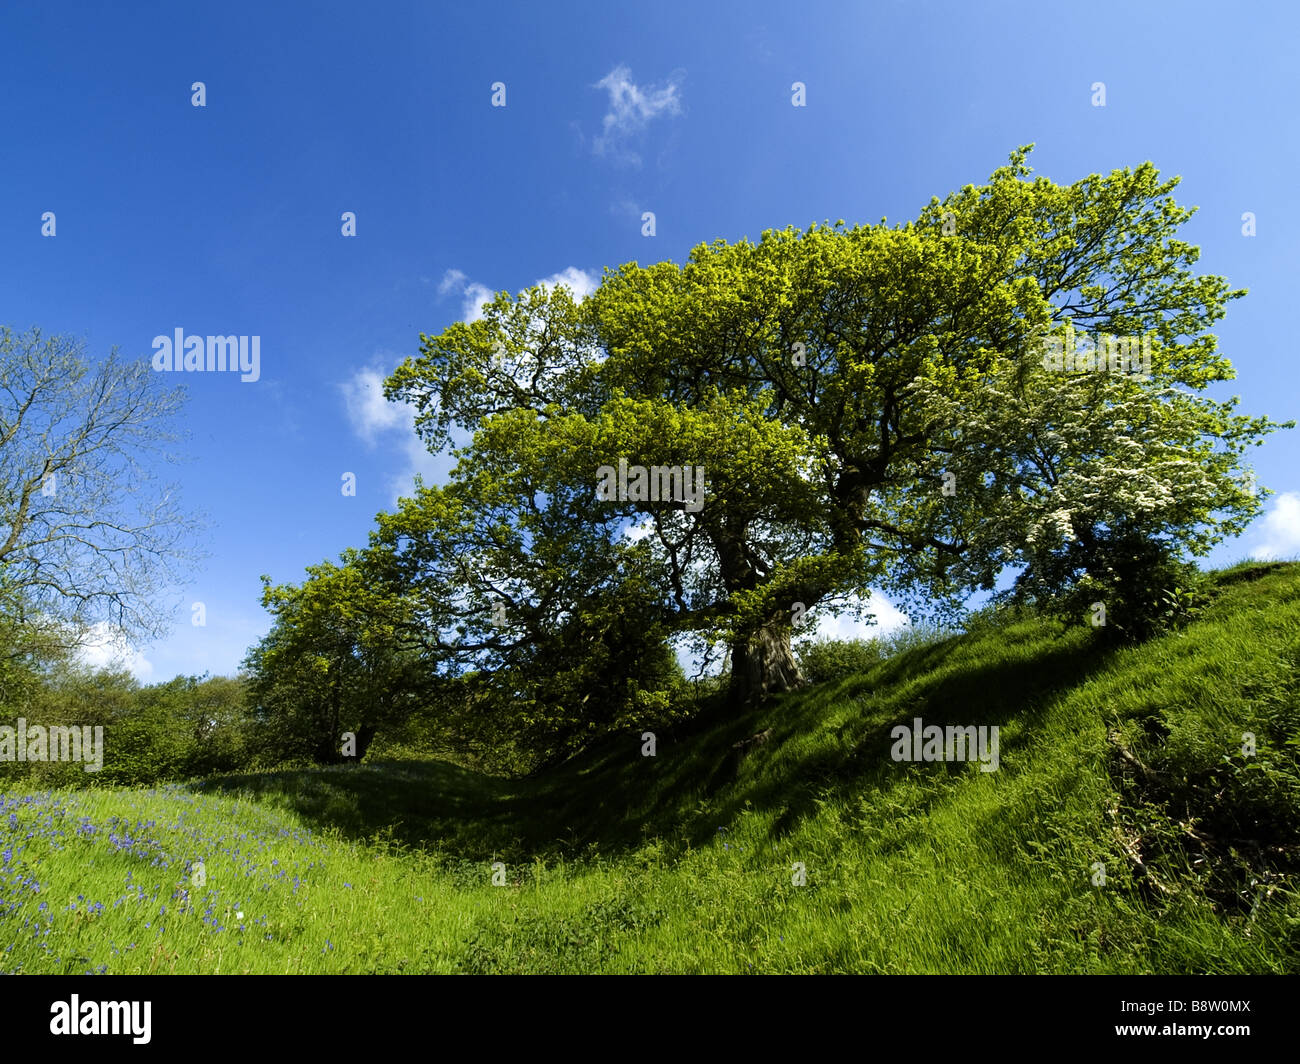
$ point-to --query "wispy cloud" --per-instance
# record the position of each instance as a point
(632, 107)
(625, 209)
(378, 420)
(368, 411)
(473, 295)
(452, 281)
(1280, 531)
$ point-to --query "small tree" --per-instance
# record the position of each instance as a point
(331, 664)
(87, 535)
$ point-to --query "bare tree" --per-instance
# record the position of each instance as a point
(87, 534)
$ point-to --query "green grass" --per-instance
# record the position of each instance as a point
(684, 862)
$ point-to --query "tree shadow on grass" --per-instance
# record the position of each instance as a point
(413, 802)
(859, 761)
(612, 798)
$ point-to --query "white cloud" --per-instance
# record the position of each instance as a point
(368, 410)
(580, 282)
(474, 295)
(435, 469)
(631, 109)
(888, 618)
(637, 532)
(373, 416)
(106, 648)
(1280, 530)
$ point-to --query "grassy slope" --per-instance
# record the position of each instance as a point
(683, 862)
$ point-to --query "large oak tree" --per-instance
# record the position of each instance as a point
(871, 407)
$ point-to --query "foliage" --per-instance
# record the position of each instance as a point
(332, 665)
(823, 660)
(1136, 586)
(870, 406)
(188, 726)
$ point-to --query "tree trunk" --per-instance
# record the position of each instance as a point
(326, 752)
(365, 736)
(328, 748)
(764, 664)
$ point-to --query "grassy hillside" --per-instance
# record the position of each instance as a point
(1128, 762)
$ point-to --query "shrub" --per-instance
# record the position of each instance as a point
(1142, 583)
(822, 660)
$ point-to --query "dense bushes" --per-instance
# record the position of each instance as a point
(1129, 585)
(823, 660)
(186, 727)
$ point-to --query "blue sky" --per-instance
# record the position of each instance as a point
(226, 218)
